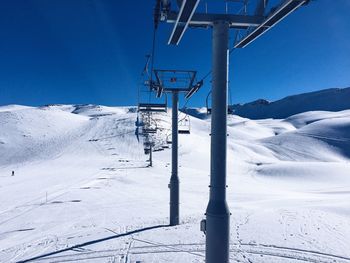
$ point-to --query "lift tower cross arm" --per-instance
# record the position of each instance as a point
(273, 18)
(188, 7)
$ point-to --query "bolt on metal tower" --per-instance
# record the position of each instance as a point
(217, 224)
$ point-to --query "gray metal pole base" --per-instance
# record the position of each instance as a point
(174, 202)
(217, 225)
(217, 233)
(174, 180)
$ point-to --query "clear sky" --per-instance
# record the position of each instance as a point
(93, 51)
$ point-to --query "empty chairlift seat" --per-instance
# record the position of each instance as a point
(168, 139)
(184, 125)
(150, 126)
(152, 107)
(149, 130)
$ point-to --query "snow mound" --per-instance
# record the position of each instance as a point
(302, 119)
(13, 107)
(36, 133)
(335, 132)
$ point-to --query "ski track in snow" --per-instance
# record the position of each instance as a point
(241, 250)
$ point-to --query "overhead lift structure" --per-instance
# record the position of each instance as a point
(172, 81)
(216, 226)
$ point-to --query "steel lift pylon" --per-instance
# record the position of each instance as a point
(217, 223)
(174, 82)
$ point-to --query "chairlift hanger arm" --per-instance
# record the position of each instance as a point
(163, 79)
(175, 71)
(260, 24)
(159, 81)
(194, 89)
(261, 7)
(145, 68)
(273, 18)
(184, 16)
(159, 91)
(165, 5)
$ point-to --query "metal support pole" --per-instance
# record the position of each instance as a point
(217, 225)
(150, 154)
(174, 180)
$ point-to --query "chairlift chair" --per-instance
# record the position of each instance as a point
(147, 150)
(168, 139)
(152, 107)
(148, 145)
(149, 130)
(148, 104)
(207, 102)
(230, 109)
(139, 123)
(149, 124)
(184, 125)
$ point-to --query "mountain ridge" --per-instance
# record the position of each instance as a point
(333, 99)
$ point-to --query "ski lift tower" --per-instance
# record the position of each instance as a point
(175, 82)
(216, 226)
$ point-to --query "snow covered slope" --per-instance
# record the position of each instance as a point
(83, 191)
(327, 100)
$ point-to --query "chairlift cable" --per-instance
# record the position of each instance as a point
(153, 52)
(152, 56)
(156, 17)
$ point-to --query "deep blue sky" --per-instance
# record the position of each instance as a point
(92, 51)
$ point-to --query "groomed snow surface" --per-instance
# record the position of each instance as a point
(82, 191)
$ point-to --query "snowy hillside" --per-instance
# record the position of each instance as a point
(83, 191)
(327, 100)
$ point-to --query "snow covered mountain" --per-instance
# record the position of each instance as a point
(83, 191)
(326, 100)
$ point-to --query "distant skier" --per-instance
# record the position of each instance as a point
(13, 173)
